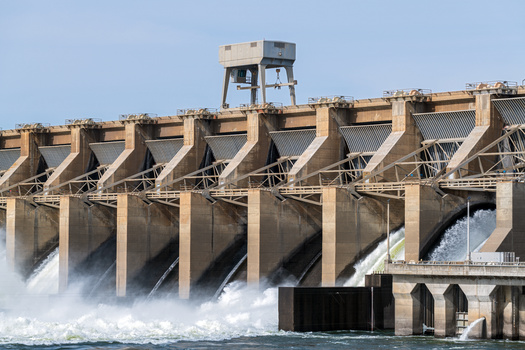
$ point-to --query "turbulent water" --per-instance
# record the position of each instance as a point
(375, 261)
(241, 318)
(453, 243)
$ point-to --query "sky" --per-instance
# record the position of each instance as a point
(101, 58)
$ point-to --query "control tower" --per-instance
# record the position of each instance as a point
(254, 58)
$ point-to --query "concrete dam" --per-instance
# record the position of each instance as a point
(184, 204)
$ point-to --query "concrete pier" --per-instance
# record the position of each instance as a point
(350, 227)
(31, 233)
(275, 229)
(206, 230)
(82, 228)
(143, 230)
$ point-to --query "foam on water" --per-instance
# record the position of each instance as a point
(452, 246)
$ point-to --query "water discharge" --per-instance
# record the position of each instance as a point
(375, 261)
(453, 244)
(467, 330)
(44, 279)
(28, 315)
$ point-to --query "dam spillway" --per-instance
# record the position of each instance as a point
(260, 191)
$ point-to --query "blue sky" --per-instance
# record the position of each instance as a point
(97, 59)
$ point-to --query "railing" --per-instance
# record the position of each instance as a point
(197, 111)
(137, 116)
(493, 84)
(406, 92)
(331, 99)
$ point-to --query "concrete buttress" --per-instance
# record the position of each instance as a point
(481, 304)
(324, 150)
(350, 227)
(404, 139)
(190, 155)
(129, 161)
(26, 165)
(275, 229)
(206, 230)
(143, 230)
(252, 155)
(424, 211)
(509, 235)
(77, 161)
(83, 228)
(31, 233)
(487, 128)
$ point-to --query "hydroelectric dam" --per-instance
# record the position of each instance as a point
(264, 193)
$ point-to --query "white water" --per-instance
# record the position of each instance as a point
(29, 316)
(464, 335)
(375, 261)
(44, 279)
(453, 244)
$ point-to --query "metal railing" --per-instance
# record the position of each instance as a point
(331, 99)
(493, 84)
(406, 92)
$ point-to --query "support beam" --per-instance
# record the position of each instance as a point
(143, 230)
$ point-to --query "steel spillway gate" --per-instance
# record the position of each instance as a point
(446, 131)
(55, 155)
(107, 152)
(292, 143)
(8, 157)
(225, 147)
(164, 151)
(512, 110)
(364, 139)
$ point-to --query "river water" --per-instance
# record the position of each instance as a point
(31, 317)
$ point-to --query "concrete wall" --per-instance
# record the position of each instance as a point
(509, 235)
(350, 228)
(31, 233)
(83, 228)
(206, 230)
(275, 229)
(143, 230)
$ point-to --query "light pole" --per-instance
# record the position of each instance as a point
(388, 230)
(468, 229)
